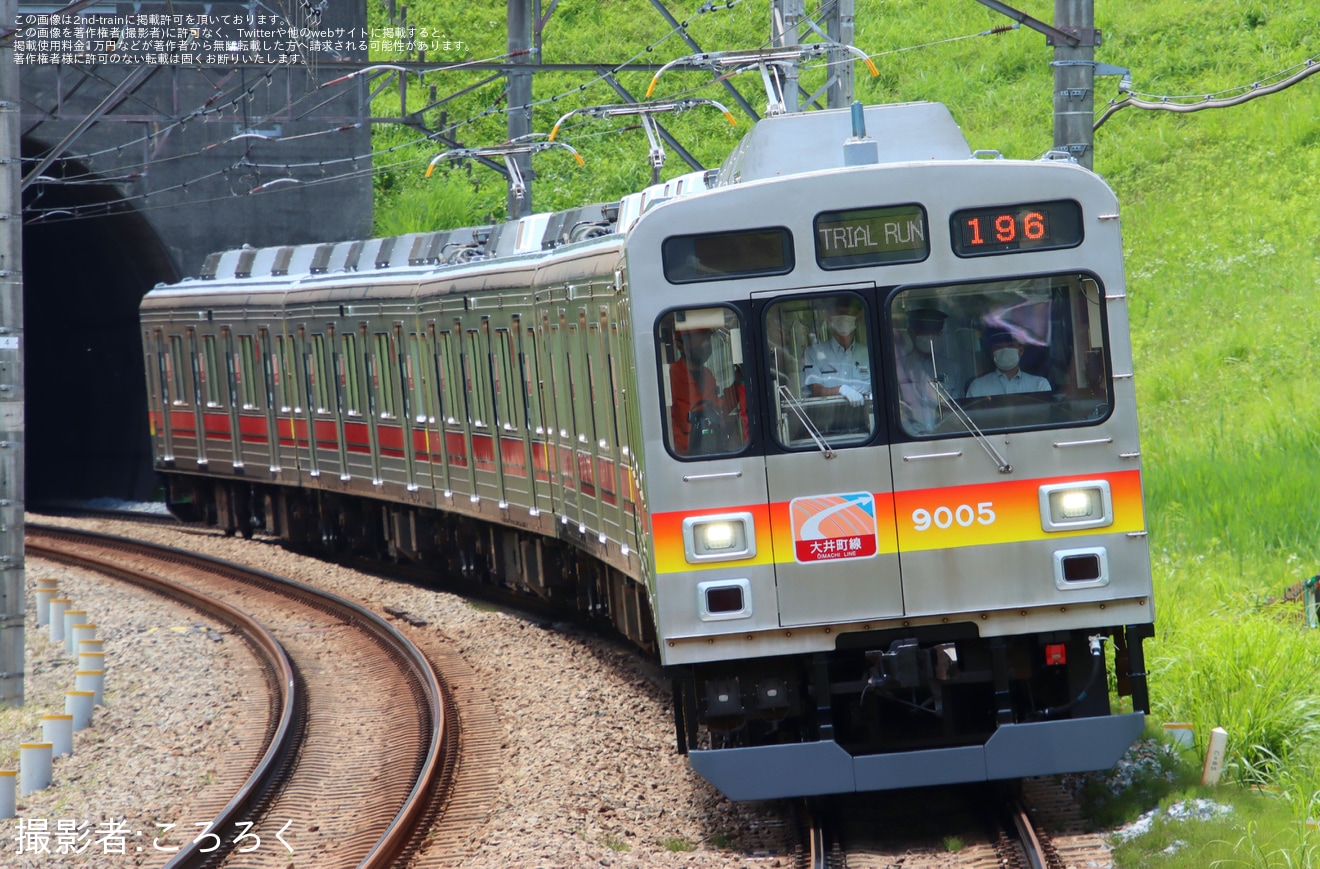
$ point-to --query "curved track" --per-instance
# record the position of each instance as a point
(354, 743)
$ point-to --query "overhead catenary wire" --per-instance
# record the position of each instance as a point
(344, 168)
(98, 209)
(1278, 81)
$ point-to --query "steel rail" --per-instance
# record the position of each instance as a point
(402, 830)
(282, 737)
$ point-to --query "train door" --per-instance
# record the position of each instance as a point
(423, 444)
(199, 389)
(524, 350)
(358, 404)
(263, 351)
(584, 425)
(515, 482)
(230, 369)
(612, 440)
(465, 415)
(497, 412)
(162, 395)
(593, 452)
(444, 393)
(560, 440)
(206, 373)
(304, 399)
(403, 404)
(830, 487)
(281, 362)
(325, 420)
(252, 418)
(476, 361)
(389, 430)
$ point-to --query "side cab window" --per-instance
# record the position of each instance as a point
(704, 392)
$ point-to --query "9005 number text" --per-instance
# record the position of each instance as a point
(964, 515)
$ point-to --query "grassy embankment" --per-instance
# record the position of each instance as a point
(1224, 284)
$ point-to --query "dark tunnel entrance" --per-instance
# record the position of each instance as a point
(88, 258)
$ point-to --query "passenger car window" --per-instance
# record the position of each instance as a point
(703, 382)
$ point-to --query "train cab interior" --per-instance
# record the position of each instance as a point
(1009, 354)
(818, 353)
(953, 360)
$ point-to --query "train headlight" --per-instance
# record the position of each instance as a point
(727, 537)
(1069, 506)
(715, 536)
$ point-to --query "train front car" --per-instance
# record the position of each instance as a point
(891, 461)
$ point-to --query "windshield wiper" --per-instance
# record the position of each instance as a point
(801, 413)
(961, 415)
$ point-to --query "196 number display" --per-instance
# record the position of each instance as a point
(1016, 228)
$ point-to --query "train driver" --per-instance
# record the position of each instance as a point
(922, 366)
(1007, 378)
(840, 366)
(703, 419)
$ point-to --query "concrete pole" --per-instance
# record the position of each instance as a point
(520, 94)
(1074, 80)
(12, 429)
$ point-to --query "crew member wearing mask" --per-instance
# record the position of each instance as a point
(841, 366)
(1007, 378)
(923, 368)
(703, 419)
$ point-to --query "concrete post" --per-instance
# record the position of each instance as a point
(1074, 80)
(13, 437)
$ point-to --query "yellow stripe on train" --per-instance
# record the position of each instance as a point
(944, 518)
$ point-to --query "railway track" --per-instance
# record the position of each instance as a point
(977, 827)
(356, 743)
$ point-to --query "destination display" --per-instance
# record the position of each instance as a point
(1016, 228)
(871, 237)
(721, 256)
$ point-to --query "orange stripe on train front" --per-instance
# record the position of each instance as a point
(667, 538)
(1007, 512)
(959, 516)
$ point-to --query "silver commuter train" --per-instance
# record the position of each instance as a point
(844, 432)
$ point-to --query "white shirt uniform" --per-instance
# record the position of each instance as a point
(998, 383)
(832, 365)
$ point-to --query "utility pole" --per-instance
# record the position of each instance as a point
(785, 19)
(12, 436)
(1074, 79)
(839, 28)
(520, 95)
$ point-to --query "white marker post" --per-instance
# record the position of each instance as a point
(58, 731)
(46, 589)
(1214, 757)
(8, 793)
(1179, 734)
(33, 767)
(57, 607)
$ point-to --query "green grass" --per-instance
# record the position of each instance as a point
(614, 843)
(1223, 242)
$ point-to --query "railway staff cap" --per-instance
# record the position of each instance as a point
(926, 321)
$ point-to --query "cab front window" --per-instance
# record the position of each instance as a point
(822, 377)
(1000, 355)
(702, 378)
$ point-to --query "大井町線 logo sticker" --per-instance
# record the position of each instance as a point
(833, 527)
